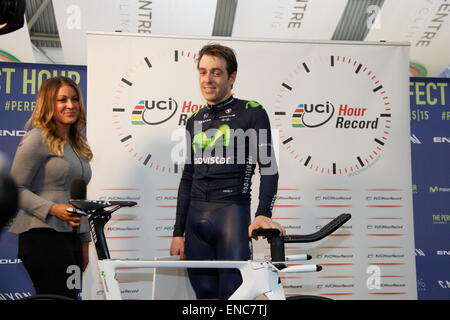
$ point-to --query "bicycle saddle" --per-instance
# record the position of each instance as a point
(96, 205)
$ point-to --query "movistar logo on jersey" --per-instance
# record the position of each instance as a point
(212, 160)
(202, 141)
(252, 104)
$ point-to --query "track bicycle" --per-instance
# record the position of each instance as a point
(259, 277)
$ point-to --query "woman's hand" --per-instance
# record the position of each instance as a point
(59, 211)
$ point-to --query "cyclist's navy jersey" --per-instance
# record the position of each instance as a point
(225, 142)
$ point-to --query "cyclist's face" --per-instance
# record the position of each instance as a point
(215, 83)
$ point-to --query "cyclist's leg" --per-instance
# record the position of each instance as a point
(217, 231)
(233, 243)
(197, 247)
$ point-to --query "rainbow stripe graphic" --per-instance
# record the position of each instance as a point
(417, 70)
(297, 117)
(6, 56)
(136, 115)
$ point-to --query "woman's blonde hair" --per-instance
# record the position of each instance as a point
(43, 114)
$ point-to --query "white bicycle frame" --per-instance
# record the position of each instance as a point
(258, 277)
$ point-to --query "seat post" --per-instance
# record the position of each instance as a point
(97, 224)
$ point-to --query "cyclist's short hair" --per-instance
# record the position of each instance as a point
(218, 50)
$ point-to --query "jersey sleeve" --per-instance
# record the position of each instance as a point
(30, 156)
(184, 188)
(267, 163)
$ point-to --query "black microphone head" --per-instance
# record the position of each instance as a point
(9, 200)
(78, 190)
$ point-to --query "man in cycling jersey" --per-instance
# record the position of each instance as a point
(225, 141)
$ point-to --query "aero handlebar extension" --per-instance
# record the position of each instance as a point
(322, 233)
(277, 242)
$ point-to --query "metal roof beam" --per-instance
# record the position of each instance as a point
(38, 13)
(354, 24)
(224, 19)
(36, 36)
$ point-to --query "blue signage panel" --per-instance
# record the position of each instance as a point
(430, 147)
(19, 84)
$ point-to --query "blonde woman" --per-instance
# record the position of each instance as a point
(50, 156)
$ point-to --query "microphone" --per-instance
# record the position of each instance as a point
(77, 192)
(9, 200)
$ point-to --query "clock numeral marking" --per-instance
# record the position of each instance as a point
(148, 62)
(334, 168)
(118, 109)
(385, 115)
(147, 159)
(126, 82)
(126, 138)
(332, 61)
(305, 66)
(378, 141)
(377, 88)
(280, 113)
(175, 167)
(360, 161)
(286, 86)
(176, 55)
(307, 160)
(288, 140)
(359, 68)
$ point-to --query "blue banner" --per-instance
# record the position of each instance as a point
(430, 147)
(19, 84)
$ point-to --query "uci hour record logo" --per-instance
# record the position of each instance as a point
(345, 131)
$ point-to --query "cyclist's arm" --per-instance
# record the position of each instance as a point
(268, 174)
(267, 164)
(183, 200)
(184, 189)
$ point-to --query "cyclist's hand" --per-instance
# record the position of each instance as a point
(264, 223)
(59, 211)
(177, 247)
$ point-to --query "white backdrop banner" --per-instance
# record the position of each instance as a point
(425, 24)
(287, 19)
(175, 17)
(341, 112)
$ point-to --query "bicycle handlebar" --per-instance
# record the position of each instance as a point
(322, 233)
(277, 242)
(328, 229)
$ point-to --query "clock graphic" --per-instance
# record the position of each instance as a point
(334, 115)
(151, 105)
